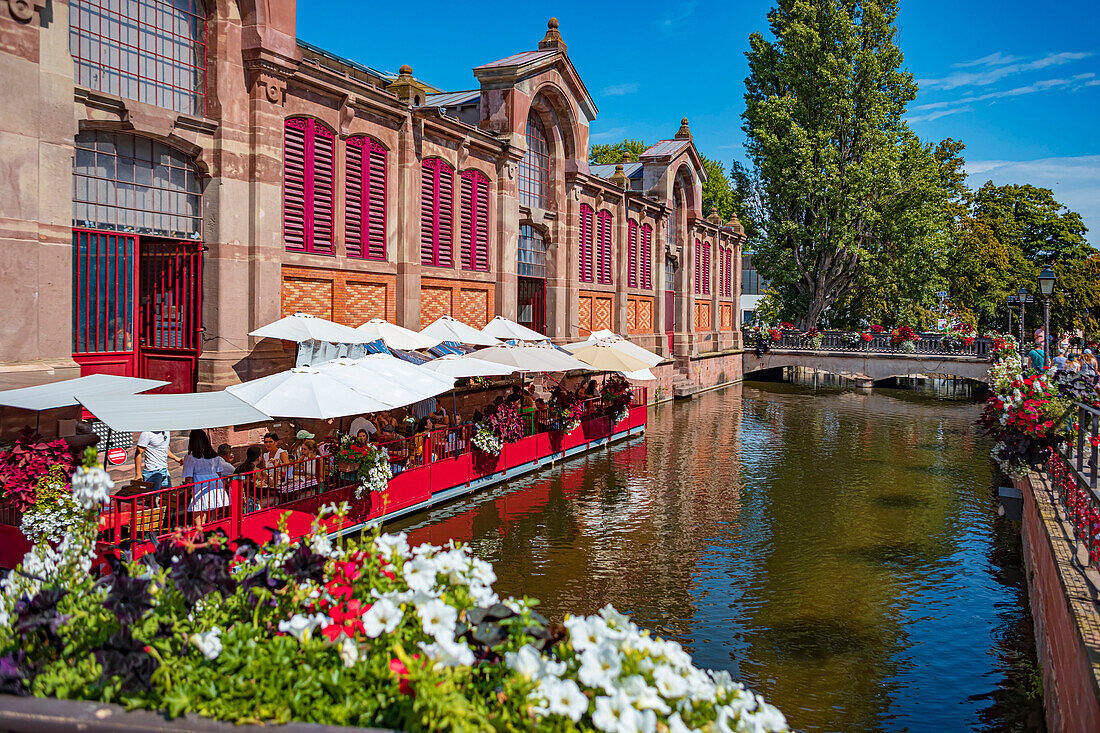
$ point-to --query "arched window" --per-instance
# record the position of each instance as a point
(531, 254)
(647, 257)
(603, 247)
(436, 213)
(153, 51)
(534, 169)
(309, 149)
(125, 183)
(475, 220)
(632, 255)
(365, 198)
(586, 244)
(673, 220)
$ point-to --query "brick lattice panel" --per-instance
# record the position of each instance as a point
(639, 312)
(595, 311)
(725, 317)
(470, 301)
(703, 320)
(474, 306)
(350, 298)
(308, 295)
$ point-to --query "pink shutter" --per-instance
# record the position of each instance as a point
(586, 244)
(706, 268)
(647, 257)
(294, 183)
(632, 255)
(324, 188)
(429, 185)
(375, 197)
(603, 247)
(467, 238)
(698, 264)
(481, 192)
(446, 214)
(355, 240)
(474, 224)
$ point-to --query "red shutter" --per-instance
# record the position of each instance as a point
(586, 244)
(436, 213)
(294, 183)
(324, 171)
(647, 257)
(475, 220)
(446, 215)
(706, 268)
(603, 247)
(355, 240)
(375, 198)
(632, 255)
(698, 265)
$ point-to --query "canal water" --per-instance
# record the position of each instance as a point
(839, 551)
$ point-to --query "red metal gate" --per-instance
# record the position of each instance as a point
(531, 297)
(137, 307)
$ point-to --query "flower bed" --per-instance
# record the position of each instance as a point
(367, 633)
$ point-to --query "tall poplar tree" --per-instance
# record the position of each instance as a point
(824, 105)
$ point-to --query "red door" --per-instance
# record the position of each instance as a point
(136, 307)
(531, 303)
(670, 318)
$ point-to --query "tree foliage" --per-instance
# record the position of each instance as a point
(608, 153)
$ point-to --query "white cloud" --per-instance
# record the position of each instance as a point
(1075, 181)
(955, 106)
(993, 73)
(615, 133)
(616, 90)
(684, 10)
(993, 59)
(936, 115)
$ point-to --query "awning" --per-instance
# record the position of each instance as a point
(63, 393)
(134, 413)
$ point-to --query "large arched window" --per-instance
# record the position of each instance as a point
(365, 199)
(585, 249)
(436, 213)
(309, 149)
(531, 254)
(125, 183)
(646, 275)
(475, 220)
(673, 219)
(603, 248)
(534, 169)
(153, 51)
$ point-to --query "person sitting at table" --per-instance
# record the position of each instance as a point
(203, 467)
(362, 437)
(245, 473)
(310, 468)
(591, 389)
(421, 439)
(225, 454)
(272, 460)
(300, 437)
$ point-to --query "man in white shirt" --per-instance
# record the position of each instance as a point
(151, 458)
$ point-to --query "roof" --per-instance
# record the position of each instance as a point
(134, 413)
(665, 148)
(606, 170)
(63, 394)
(518, 59)
(454, 99)
(387, 75)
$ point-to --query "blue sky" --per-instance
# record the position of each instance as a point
(1018, 82)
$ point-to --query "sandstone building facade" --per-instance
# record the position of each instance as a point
(180, 172)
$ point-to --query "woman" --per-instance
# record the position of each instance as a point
(421, 440)
(310, 468)
(591, 389)
(203, 467)
(272, 460)
(246, 475)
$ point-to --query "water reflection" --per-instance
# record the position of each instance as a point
(835, 549)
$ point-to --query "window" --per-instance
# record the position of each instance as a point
(531, 255)
(706, 268)
(125, 183)
(586, 244)
(751, 282)
(534, 169)
(727, 282)
(603, 247)
(365, 197)
(475, 221)
(308, 152)
(632, 255)
(647, 257)
(673, 220)
(103, 292)
(436, 213)
(153, 51)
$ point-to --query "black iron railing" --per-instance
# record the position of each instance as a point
(881, 343)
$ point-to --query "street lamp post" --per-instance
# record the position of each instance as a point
(1023, 303)
(1046, 287)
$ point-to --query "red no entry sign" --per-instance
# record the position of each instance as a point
(116, 456)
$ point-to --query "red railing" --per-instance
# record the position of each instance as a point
(1074, 475)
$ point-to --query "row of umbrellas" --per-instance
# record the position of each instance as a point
(304, 327)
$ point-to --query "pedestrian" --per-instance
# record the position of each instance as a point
(151, 458)
(1038, 359)
(1060, 362)
(203, 467)
(245, 473)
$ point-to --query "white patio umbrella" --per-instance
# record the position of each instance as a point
(532, 358)
(606, 355)
(503, 328)
(395, 336)
(306, 393)
(456, 365)
(304, 327)
(388, 380)
(618, 342)
(447, 328)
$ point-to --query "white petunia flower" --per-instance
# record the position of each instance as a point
(438, 619)
(392, 544)
(301, 627)
(670, 683)
(208, 642)
(420, 573)
(600, 667)
(91, 486)
(677, 725)
(615, 714)
(349, 651)
(382, 617)
(448, 653)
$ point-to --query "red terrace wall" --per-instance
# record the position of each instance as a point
(346, 297)
(1060, 606)
(469, 301)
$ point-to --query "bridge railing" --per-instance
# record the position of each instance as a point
(880, 343)
(1074, 472)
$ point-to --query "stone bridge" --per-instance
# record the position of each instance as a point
(866, 368)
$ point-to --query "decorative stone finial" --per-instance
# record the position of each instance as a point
(405, 70)
(735, 224)
(714, 218)
(552, 40)
(685, 132)
(619, 178)
(404, 86)
(627, 157)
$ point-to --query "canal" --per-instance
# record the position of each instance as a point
(837, 550)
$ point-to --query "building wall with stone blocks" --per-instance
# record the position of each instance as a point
(248, 214)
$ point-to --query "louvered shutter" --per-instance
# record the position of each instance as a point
(446, 214)
(324, 171)
(294, 183)
(429, 184)
(355, 239)
(706, 268)
(603, 246)
(586, 244)
(481, 192)
(698, 264)
(632, 255)
(647, 257)
(474, 224)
